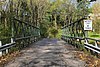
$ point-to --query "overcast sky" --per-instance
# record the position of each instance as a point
(94, 2)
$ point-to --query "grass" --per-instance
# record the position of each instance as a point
(93, 35)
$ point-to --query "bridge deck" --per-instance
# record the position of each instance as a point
(47, 53)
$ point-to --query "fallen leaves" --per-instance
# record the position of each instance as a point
(8, 57)
(90, 60)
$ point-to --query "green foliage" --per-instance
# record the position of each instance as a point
(97, 26)
(91, 42)
(54, 31)
(96, 17)
(48, 16)
(59, 34)
(44, 32)
(44, 29)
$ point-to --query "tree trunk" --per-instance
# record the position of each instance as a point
(55, 21)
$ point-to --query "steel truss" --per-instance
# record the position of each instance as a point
(74, 34)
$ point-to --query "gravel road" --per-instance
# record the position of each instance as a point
(47, 53)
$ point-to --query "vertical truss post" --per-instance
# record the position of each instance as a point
(12, 28)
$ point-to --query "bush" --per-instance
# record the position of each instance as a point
(53, 32)
(59, 34)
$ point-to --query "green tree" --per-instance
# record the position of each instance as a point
(96, 18)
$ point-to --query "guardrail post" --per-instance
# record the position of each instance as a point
(7, 50)
(12, 41)
(0, 46)
(86, 41)
(96, 44)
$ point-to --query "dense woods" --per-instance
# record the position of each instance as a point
(26, 11)
(48, 15)
(24, 20)
(96, 17)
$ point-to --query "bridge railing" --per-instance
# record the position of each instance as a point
(4, 48)
(19, 27)
(74, 34)
(94, 46)
(89, 44)
(23, 34)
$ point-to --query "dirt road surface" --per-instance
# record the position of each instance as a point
(47, 53)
